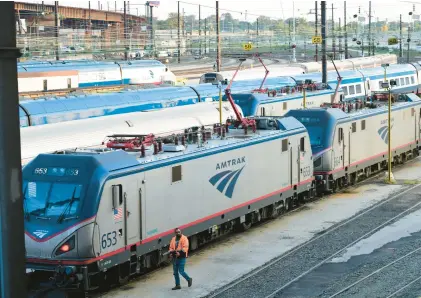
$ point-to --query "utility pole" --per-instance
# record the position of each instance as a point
(409, 41)
(257, 32)
(323, 25)
(218, 40)
(206, 20)
(200, 39)
(333, 36)
(56, 33)
(294, 59)
(400, 38)
(340, 40)
(12, 243)
(124, 31)
(316, 30)
(178, 32)
(369, 28)
(346, 33)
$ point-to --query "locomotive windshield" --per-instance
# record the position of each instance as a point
(315, 131)
(46, 200)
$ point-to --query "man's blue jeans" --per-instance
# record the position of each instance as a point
(178, 267)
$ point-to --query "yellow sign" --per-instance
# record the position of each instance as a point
(247, 46)
(316, 39)
(392, 41)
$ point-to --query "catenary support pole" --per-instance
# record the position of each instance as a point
(333, 36)
(400, 37)
(409, 42)
(12, 244)
(346, 32)
(218, 40)
(178, 33)
(316, 29)
(324, 62)
(200, 37)
(56, 33)
(125, 31)
(369, 29)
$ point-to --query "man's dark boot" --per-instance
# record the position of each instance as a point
(176, 288)
(190, 282)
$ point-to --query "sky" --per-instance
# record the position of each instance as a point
(276, 9)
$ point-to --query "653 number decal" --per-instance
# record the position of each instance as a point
(109, 239)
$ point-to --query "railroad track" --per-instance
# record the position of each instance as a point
(306, 259)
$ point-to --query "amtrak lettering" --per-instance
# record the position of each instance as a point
(231, 162)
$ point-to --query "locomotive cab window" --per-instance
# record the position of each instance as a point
(302, 147)
(340, 134)
(262, 111)
(284, 145)
(176, 173)
(362, 124)
(117, 195)
(354, 126)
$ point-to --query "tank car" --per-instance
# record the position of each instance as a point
(102, 217)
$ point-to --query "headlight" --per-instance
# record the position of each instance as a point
(66, 246)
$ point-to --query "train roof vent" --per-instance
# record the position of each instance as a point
(173, 148)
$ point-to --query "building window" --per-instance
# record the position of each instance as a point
(45, 85)
(354, 126)
(407, 80)
(358, 88)
(352, 90)
(345, 89)
(362, 124)
(412, 80)
(176, 174)
(284, 145)
(402, 81)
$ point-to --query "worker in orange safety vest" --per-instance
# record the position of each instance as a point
(179, 248)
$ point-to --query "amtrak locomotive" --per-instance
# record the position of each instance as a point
(108, 214)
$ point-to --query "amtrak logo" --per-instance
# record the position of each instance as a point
(384, 133)
(226, 178)
(40, 233)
